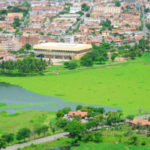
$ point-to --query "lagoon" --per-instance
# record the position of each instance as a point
(14, 98)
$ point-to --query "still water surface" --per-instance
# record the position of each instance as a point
(18, 98)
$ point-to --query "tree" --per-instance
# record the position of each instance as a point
(117, 3)
(148, 26)
(28, 65)
(106, 24)
(113, 117)
(16, 23)
(28, 46)
(130, 117)
(93, 123)
(133, 140)
(76, 129)
(44, 129)
(3, 12)
(71, 65)
(81, 13)
(21, 51)
(2, 18)
(38, 131)
(8, 137)
(113, 56)
(62, 123)
(65, 110)
(52, 127)
(87, 15)
(86, 61)
(23, 134)
(2, 143)
(142, 44)
(99, 110)
(85, 7)
(101, 59)
(93, 137)
(60, 114)
(79, 107)
(97, 137)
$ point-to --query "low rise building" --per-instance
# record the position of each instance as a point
(61, 51)
(80, 113)
(5, 56)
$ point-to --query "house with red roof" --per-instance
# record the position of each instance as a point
(140, 122)
(5, 56)
(80, 113)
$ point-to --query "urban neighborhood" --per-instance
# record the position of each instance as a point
(74, 74)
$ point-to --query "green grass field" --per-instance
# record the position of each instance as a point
(63, 142)
(126, 85)
(94, 146)
(11, 123)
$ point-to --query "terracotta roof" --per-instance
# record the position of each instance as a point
(4, 55)
(78, 113)
(140, 122)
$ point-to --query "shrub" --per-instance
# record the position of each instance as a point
(130, 117)
(8, 137)
(23, 133)
(70, 65)
(62, 123)
(86, 61)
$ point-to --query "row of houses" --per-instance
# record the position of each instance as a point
(47, 23)
(84, 114)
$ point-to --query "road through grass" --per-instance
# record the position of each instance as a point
(126, 86)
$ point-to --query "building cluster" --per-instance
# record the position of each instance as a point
(67, 21)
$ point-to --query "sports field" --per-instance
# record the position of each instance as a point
(126, 85)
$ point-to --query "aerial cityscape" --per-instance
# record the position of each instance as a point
(74, 74)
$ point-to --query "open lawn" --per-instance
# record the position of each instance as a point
(126, 85)
(11, 123)
(93, 146)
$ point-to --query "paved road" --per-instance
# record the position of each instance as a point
(38, 141)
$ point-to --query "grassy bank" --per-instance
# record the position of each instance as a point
(125, 86)
(11, 123)
(63, 142)
(93, 146)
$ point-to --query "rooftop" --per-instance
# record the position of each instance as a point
(140, 122)
(78, 113)
(63, 46)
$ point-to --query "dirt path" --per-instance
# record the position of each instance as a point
(38, 141)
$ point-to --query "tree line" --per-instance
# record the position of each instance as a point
(24, 134)
(27, 65)
(99, 54)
